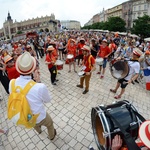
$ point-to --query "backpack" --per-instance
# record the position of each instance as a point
(18, 109)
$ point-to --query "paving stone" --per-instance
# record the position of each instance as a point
(71, 111)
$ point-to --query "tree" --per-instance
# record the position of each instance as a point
(141, 26)
(19, 32)
(116, 24)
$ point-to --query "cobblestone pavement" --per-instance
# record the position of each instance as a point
(71, 112)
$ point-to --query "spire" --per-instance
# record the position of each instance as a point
(8, 17)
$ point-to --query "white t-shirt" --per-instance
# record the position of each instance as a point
(134, 67)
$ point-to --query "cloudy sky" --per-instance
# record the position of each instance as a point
(80, 10)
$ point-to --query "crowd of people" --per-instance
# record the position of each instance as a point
(84, 48)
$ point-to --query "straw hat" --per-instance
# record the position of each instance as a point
(86, 48)
(7, 58)
(137, 52)
(25, 63)
(50, 48)
(144, 133)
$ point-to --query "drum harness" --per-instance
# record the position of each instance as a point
(127, 137)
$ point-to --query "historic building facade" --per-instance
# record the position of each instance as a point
(128, 11)
(10, 28)
(70, 24)
(140, 8)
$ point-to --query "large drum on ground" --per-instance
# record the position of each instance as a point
(119, 69)
(99, 61)
(59, 64)
(104, 128)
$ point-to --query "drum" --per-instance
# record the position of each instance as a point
(81, 74)
(59, 64)
(99, 61)
(69, 56)
(104, 128)
(119, 68)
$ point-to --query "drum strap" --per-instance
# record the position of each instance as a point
(127, 137)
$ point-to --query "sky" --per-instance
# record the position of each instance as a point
(79, 10)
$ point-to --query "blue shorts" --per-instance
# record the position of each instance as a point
(104, 63)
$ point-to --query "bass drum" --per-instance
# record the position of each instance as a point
(119, 68)
(104, 129)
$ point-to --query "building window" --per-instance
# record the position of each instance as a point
(134, 8)
(139, 7)
(145, 7)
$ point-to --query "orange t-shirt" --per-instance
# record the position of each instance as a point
(50, 59)
(104, 51)
(112, 47)
(88, 61)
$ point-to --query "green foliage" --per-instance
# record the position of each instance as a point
(116, 24)
(19, 32)
(141, 26)
(113, 24)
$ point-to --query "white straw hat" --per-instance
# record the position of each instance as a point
(144, 133)
(25, 63)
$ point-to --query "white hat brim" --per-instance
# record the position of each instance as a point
(30, 71)
(142, 134)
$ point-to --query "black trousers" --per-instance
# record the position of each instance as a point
(4, 80)
(53, 72)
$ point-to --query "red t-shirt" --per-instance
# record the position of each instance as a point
(80, 51)
(50, 59)
(12, 72)
(104, 51)
(72, 50)
(88, 61)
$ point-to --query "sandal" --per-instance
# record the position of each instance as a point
(117, 97)
(113, 91)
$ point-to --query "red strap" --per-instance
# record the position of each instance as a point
(147, 132)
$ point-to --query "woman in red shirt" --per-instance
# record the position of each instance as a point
(10, 68)
(50, 61)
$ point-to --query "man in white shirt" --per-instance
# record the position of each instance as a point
(134, 69)
(38, 94)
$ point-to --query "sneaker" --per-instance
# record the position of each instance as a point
(98, 72)
(56, 80)
(54, 83)
(136, 81)
(79, 86)
(6, 131)
(69, 71)
(84, 92)
(75, 71)
(101, 77)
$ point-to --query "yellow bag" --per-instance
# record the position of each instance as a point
(18, 109)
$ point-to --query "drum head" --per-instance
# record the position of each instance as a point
(99, 61)
(81, 73)
(98, 130)
(119, 69)
(70, 56)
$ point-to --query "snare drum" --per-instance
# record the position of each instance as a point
(69, 56)
(81, 74)
(104, 129)
(119, 69)
(59, 64)
(99, 61)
